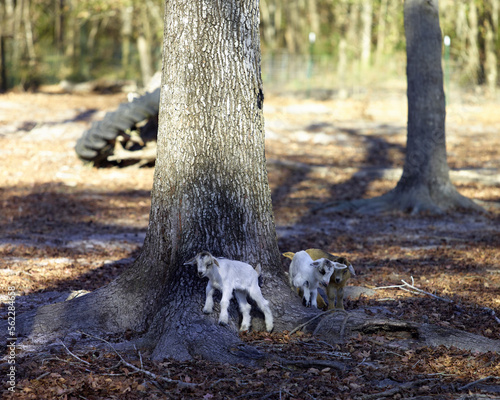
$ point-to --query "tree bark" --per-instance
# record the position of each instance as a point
(210, 192)
(425, 183)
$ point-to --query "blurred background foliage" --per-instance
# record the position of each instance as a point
(338, 46)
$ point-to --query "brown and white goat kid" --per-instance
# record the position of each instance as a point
(307, 275)
(342, 272)
(228, 276)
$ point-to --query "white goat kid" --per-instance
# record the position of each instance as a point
(228, 276)
(307, 275)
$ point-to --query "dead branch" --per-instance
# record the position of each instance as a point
(413, 289)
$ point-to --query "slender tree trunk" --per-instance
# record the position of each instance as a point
(210, 193)
(58, 24)
(381, 30)
(366, 36)
(491, 67)
(473, 61)
(268, 10)
(342, 68)
(28, 33)
(425, 184)
(3, 58)
(126, 31)
(17, 43)
(293, 29)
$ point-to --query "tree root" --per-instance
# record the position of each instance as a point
(149, 374)
(336, 330)
(417, 200)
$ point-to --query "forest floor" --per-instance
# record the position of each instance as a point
(66, 226)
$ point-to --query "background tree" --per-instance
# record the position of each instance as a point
(210, 193)
(425, 183)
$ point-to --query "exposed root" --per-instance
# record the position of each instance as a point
(149, 374)
(414, 201)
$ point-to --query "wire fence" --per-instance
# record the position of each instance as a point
(321, 76)
(283, 72)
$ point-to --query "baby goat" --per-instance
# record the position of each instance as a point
(342, 272)
(308, 274)
(228, 275)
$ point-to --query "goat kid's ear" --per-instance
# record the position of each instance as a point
(191, 262)
(216, 262)
(351, 270)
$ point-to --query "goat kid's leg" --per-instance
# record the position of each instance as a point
(339, 300)
(244, 308)
(224, 305)
(314, 297)
(307, 296)
(209, 301)
(263, 304)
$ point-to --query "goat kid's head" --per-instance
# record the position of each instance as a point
(204, 262)
(342, 272)
(325, 268)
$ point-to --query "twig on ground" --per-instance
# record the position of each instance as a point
(309, 363)
(72, 354)
(342, 328)
(412, 289)
(137, 369)
(43, 376)
(493, 314)
(309, 321)
(478, 381)
(140, 356)
(395, 390)
(262, 395)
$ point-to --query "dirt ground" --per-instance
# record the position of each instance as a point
(66, 226)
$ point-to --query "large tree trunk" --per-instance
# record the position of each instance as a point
(210, 193)
(425, 183)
